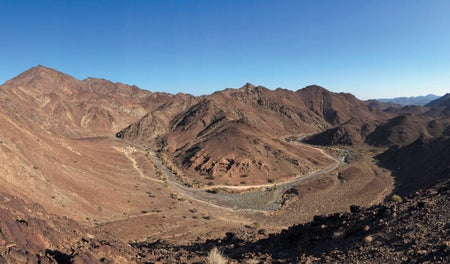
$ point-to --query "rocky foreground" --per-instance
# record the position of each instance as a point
(415, 230)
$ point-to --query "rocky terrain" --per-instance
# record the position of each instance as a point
(94, 171)
(381, 233)
(237, 136)
(414, 230)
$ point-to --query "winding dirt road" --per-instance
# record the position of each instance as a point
(128, 153)
(256, 198)
(301, 177)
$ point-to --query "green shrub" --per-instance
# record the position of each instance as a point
(396, 198)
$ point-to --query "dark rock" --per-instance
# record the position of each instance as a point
(355, 209)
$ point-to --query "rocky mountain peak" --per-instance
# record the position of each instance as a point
(248, 85)
(314, 88)
(41, 77)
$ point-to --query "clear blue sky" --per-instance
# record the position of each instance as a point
(371, 48)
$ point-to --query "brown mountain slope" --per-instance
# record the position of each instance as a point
(337, 108)
(58, 147)
(28, 234)
(421, 163)
(440, 106)
(409, 109)
(151, 127)
(59, 103)
(442, 101)
(405, 129)
(237, 136)
(400, 130)
(352, 132)
(382, 105)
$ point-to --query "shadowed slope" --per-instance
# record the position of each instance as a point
(421, 163)
(440, 106)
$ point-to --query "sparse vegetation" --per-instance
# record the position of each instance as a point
(216, 257)
(251, 261)
(368, 239)
(214, 190)
(396, 198)
(150, 194)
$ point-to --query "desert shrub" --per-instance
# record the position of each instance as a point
(216, 257)
(396, 198)
(368, 239)
(214, 190)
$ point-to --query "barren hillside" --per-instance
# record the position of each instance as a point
(98, 171)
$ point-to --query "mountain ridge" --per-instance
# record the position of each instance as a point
(258, 115)
(114, 169)
(413, 100)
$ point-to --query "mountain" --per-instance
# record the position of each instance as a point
(414, 100)
(382, 105)
(237, 136)
(441, 101)
(401, 130)
(57, 140)
(408, 109)
(440, 106)
(61, 104)
(100, 172)
(421, 163)
(352, 132)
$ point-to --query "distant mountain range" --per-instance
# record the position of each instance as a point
(414, 100)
